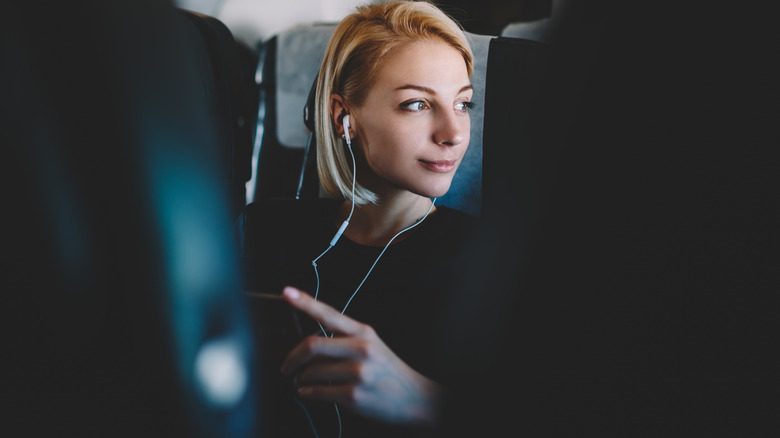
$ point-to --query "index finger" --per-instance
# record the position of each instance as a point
(331, 319)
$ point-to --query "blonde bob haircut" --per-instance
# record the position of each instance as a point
(352, 59)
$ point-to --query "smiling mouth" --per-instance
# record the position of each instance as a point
(442, 166)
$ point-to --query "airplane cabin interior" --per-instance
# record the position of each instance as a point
(623, 281)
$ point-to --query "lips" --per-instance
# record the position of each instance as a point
(441, 166)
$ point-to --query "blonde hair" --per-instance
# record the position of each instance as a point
(352, 59)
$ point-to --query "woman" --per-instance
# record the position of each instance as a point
(393, 96)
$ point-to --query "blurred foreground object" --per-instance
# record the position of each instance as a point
(123, 312)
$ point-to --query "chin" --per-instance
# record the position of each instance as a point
(430, 187)
(435, 192)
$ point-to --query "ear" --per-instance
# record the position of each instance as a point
(338, 109)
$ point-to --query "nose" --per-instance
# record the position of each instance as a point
(451, 128)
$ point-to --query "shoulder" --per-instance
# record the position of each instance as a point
(268, 209)
(269, 219)
(287, 211)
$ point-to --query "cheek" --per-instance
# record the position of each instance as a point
(389, 140)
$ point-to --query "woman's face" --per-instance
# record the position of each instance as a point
(413, 127)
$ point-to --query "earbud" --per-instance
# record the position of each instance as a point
(345, 121)
(346, 125)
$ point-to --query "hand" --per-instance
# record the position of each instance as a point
(356, 370)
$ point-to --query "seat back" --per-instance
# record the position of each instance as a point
(226, 70)
(120, 284)
(515, 167)
(288, 64)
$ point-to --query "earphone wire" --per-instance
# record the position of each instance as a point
(317, 274)
(332, 243)
(322, 329)
(343, 226)
(383, 252)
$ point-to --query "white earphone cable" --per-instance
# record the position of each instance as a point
(382, 253)
(332, 243)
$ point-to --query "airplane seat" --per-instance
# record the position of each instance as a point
(515, 71)
(123, 312)
(227, 75)
(519, 170)
(288, 63)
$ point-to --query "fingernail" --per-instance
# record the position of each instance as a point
(291, 292)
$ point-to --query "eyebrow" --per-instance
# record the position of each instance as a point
(430, 90)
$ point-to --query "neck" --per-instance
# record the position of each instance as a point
(376, 224)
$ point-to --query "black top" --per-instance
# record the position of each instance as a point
(402, 298)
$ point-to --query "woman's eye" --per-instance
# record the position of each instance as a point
(417, 105)
(464, 106)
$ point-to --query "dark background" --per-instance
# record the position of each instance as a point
(490, 17)
(627, 279)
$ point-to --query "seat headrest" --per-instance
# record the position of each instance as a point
(299, 54)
